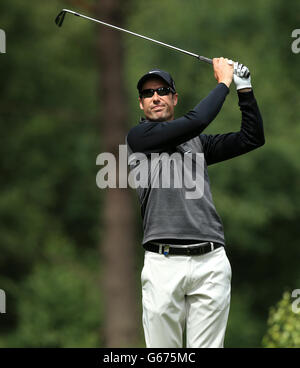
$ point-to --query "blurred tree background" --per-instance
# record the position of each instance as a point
(52, 215)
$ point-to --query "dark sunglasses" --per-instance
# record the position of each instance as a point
(161, 91)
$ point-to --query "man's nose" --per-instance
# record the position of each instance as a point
(156, 96)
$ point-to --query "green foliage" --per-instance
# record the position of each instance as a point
(283, 325)
(58, 302)
(49, 203)
(242, 328)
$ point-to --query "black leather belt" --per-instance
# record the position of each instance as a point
(166, 249)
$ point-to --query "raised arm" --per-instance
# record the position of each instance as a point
(151, 136)
(222, 147)
(154, 136)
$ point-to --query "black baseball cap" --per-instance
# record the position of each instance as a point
(158, 73)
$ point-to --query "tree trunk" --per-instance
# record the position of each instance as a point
(118, 236)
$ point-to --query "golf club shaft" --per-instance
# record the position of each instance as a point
(201, 58)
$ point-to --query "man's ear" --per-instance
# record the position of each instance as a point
(141, 104)
(175, 98)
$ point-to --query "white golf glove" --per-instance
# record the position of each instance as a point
(241, 76)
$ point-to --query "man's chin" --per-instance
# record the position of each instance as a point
(158, 118)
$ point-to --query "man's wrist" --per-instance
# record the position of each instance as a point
(226, 82)
(245, 90)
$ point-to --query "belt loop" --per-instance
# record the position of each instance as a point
(160, 249)
(212, 246)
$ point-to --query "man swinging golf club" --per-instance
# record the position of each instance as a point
(186, 275)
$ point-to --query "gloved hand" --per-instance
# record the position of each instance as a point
(241, 76)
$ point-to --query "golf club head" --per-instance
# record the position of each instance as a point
(60, 18)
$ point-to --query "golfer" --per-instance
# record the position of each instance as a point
(186, 276)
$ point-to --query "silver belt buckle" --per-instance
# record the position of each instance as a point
(212, 246)
(166, 250)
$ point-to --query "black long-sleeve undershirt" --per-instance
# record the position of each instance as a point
(152, 136)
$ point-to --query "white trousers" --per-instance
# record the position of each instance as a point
(185, 292)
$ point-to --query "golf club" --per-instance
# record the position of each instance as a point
(61, 16)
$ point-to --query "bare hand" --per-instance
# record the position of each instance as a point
(223, 71)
